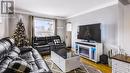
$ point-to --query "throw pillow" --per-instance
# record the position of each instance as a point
(20, 66)
(57, 41)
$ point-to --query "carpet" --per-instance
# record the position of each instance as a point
(83, 68)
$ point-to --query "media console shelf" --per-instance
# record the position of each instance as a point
(91, 51)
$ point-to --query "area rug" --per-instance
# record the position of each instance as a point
(83, 68)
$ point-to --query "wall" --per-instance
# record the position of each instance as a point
(124, 27)
(108, 19)
(127, 29)
(61, 28)
(14, 20)
(4, 26)
(120, 20)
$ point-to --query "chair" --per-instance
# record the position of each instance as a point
(57, 44)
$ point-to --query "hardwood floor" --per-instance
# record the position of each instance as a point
(101, 67)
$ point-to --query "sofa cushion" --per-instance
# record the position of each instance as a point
(7, 45)
(12, 54)
(42, 65)
(34, 66)
(20, 65)
(2, 51)
(16, 49)
(25, 49)
(5, 62)
(39, 71)
(36, 55)
(41, 43)
(2, 70)
(28, 57)
(10, 40)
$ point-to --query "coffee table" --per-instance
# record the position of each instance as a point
(66, 60)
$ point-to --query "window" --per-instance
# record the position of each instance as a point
(44, 27)
(69, 26)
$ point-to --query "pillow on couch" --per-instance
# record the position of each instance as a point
(19, 65)
(57, 41)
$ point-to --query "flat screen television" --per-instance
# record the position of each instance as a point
(91, 32)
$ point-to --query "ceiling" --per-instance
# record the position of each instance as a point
(62, 8)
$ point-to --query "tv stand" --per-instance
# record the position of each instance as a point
(89, 41)
(91, 51)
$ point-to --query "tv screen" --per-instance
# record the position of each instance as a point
(90, 32)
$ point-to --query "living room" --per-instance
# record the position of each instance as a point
(63, 36)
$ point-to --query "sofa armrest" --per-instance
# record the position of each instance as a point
(25, 49)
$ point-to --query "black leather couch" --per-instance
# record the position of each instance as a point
(57, 44)
(42, 43)
(9, 52)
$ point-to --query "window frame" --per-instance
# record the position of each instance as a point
(45, 19)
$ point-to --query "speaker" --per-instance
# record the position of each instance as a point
(104, 59)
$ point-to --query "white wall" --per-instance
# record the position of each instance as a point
(126, 44)
(14, 20)
(4, 26)
(61, 28)
(61, 24)
(108, 19)
(124, 27)
(120, 20)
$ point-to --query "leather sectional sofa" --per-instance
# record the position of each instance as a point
(9, 54)
(42, 43)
